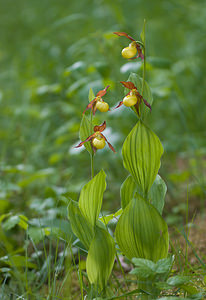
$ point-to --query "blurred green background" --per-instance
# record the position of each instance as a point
(52, 53)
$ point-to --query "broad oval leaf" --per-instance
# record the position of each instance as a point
(157, 194)
(141, 232)
(90, 201)
(127, 191)
(141, 152)
(86, 129)
(100, 258)
(80, 226)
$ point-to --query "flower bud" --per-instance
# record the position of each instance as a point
(130, 100)
(98, 142)
(102, 106)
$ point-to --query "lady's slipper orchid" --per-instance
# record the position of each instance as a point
(133, 48)
(133, 98)
(98, 103)
(98, 140)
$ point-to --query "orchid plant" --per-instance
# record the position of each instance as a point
(141, 232)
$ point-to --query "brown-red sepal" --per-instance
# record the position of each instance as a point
(102, 92)
(87, 140)
(147, 104)
(140, 54)
(124, 34)
(110, 145)
(120, 104)
(128, 84)
(101, 127)
(90, 105)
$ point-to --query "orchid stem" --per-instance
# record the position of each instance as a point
(92, 165)
(144, 63)
(92, 154)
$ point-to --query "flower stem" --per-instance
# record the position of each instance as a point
(92, 154)
(92, 165)
(144, 63)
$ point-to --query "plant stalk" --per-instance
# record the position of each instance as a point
(92, 154)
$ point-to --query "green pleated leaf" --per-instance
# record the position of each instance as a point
(127, 191)
(91, 95)
(90, 201)
(106, 219)
(141, 152)
(80, 226)
(157, 194)
(147, 94)
(86, 129)
(100, 258)
(141, 232)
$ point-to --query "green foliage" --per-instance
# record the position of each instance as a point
(81, 227)
(141, 152)
(141, 231)
(92, 233)
(100, 258)
(157, 194)
(49, 65)
(90, 200)
(85, 131)
(15, 220)
(145, 268)
(127, 191)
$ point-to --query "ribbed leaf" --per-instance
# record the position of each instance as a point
(106, 219)
(142, 151)
(100, 258)
(91, 197)
(80, 226)
(157, 194)
(127, 191)
(86, 129)
(91, 95)
(141, 232)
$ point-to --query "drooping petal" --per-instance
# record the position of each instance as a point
(110, 146)
(128, 84)
(134, 57)
(101, 127)
(124, 34)
(102, 92)
(88, 139)
(90, 105)
(140, 54)
(94, 107)
(137, 107)
(120, 104)
(147, 104)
